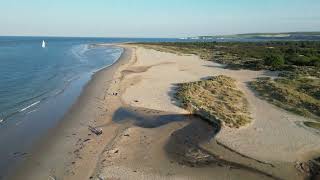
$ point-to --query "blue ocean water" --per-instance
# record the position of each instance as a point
(30, 74)
(38, 85)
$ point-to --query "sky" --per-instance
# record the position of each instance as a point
(156, 18)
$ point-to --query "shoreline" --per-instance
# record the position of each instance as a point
(26, 129)
(147, 136)
(96, 85)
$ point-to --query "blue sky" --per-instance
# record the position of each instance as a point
(160, 18)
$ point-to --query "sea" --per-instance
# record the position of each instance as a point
(38, 85)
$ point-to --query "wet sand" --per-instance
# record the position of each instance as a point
(56, 154)
(147, 136)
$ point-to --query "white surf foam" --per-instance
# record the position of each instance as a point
(79, 50)
(33, 104)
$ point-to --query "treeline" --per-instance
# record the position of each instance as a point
(278, 53)
(275, 53)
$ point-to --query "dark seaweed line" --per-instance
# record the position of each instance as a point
(242, 155)
(237, 165)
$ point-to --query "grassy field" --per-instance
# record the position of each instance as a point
(214, 99)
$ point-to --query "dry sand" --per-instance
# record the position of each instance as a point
(147, 136)
(274, 133)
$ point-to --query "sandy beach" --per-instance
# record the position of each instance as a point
(146, 135)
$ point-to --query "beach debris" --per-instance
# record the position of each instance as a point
(114, 151)
(310, 168)
(19, 154)
(97, 131)
(52, 178)
(258, 129)
(303, 167)
(100, 177)
(126, 135)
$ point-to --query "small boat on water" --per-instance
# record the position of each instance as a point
(43, 44)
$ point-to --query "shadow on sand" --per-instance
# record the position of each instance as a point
(146, 118)
(184, 145)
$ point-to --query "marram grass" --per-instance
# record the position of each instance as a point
(217, 98)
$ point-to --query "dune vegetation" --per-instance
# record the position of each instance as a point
(274, 55)
(216, 98)
(300, 95)
(315, 125)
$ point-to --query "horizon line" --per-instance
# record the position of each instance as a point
(176, 37)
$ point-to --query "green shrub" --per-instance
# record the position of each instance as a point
(274, 60)
(251, 55)
(315, 61)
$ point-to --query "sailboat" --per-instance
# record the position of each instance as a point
(43, 44)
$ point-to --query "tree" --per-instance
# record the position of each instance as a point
(315, 61)
(274, 60)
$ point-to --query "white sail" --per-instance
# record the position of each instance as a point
(43, 44)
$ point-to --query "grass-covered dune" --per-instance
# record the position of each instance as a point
(300, 94)
(217, 98)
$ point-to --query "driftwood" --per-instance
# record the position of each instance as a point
(95, 130)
